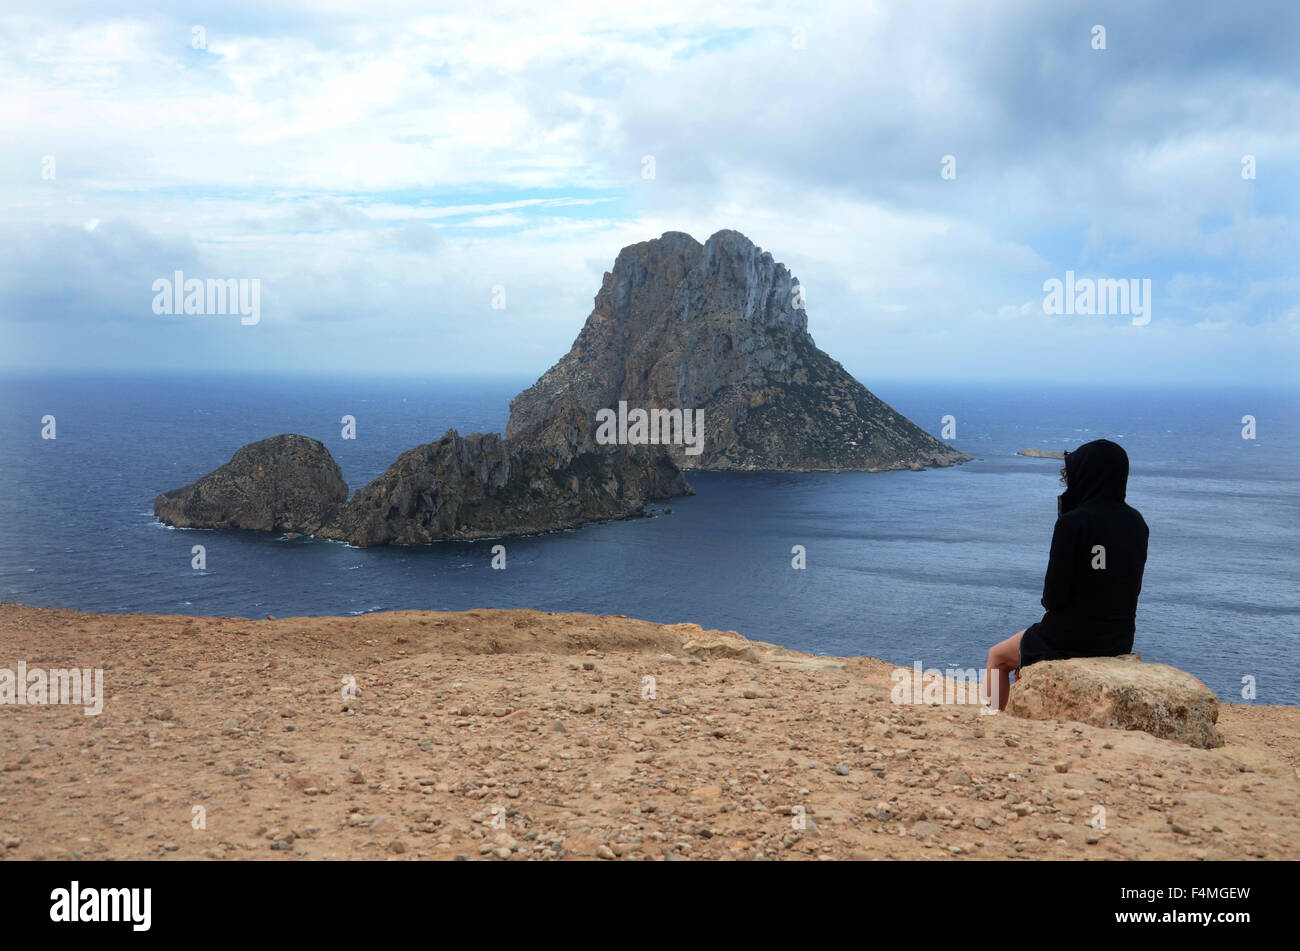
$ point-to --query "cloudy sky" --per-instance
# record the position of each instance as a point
(381, 169)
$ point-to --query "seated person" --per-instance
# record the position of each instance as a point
(1094, 571)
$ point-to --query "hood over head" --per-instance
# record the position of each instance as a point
(1096, 471)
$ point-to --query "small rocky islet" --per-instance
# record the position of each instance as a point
(717, 330)
(1033, 453)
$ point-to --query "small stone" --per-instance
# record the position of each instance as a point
(604, 852)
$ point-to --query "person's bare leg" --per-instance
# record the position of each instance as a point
(1004, 657)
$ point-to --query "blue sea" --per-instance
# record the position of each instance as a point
(932, 566)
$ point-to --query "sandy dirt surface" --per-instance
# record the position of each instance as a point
(513, 735)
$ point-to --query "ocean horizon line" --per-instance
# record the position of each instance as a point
(28, 374)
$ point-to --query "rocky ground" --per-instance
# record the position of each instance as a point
(513, 735)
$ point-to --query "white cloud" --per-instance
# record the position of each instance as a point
(381, 170)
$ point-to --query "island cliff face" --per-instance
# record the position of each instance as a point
(481, 486)
(719, 327)
(286, 483)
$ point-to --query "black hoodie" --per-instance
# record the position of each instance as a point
(1099, 550)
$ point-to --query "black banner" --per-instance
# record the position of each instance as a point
(337, 899)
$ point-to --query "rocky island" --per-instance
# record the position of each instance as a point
(721, 327)
(714, 334)
(287, 483)
(481, 486)
(473, 486)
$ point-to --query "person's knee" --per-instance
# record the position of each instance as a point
(1004, 656)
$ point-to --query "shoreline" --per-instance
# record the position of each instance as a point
(514, 734)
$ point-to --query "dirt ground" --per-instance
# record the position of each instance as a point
(513, 735)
